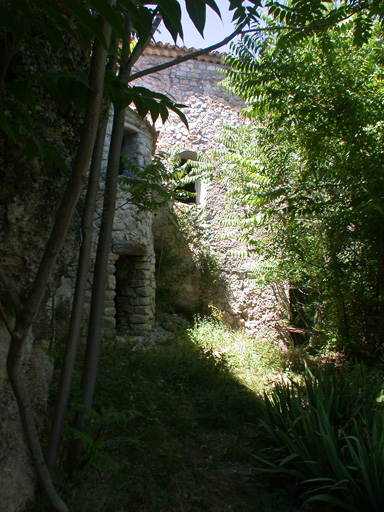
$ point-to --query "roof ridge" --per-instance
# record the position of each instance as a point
(169, 49)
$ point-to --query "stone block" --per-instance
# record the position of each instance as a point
(111, 282)
(132, 248)
(145, 265)
(145, 291)
(143, 301)
(137, 283)
(138, 319)
(109, 295)
(142, 310)
(142, 328)
(141, 274)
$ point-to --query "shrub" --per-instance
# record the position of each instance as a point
(330, 430)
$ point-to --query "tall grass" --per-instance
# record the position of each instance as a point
(173, 423)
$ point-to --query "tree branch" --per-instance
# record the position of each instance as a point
(139, 48)
(228, 39)
(312, 26)
(197, 53)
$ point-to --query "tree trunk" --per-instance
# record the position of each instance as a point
(99, 278)
(25, 316)
(92, 351)
(380, 279)
(78, 300)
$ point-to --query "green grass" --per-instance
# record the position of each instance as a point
(175, 427)
(256, 362)
(212, 420)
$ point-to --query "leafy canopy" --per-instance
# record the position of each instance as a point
(305, 173)
(37, 31)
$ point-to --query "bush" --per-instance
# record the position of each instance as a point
(330, 430)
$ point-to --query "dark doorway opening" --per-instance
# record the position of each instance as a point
(125, 292)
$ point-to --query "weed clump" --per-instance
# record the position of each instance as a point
(256, 362)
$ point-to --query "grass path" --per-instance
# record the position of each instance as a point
(176, 426)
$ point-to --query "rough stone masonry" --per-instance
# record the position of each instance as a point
(130, 290)
(129, 304)
(194, 83)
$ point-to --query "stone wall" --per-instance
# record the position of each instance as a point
(209, 108)
(29, 195)
(17, 475)
(129, 305)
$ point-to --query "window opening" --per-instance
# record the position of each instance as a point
(128, 153)
(190, 192)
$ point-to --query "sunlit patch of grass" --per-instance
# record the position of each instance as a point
(256, 362)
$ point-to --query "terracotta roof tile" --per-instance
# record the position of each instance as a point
(169, 50)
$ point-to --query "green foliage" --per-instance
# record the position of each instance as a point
(169, 417)
(31, 39)
(305, 174)
(209, 264)
(329, 429)
(255, 362)
(35, 32)
(144, 100)
(192, 234)
(148, 188)
(181, 175)
(301, 19)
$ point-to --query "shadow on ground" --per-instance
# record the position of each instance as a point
(173, 431)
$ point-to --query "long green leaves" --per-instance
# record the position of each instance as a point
(330, 430)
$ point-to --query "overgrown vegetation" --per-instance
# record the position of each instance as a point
(173, 428)
(329, 430)
(254, 362)
(105, 31)
(213, 419)
(189, 260)
(174, 425)
(305, 178)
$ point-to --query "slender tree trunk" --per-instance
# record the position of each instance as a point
(17, 356)
(20, 337)
(79, 298)
(336, 289)
(99, 278)
(380, 278)
(91, 357)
